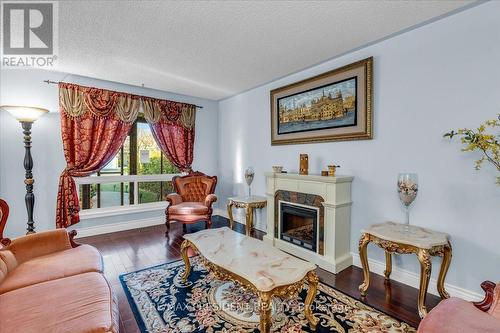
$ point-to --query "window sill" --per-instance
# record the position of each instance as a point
(122, 210)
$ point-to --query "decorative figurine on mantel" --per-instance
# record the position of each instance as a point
(249, 174)
(304, 164)
(331, 169)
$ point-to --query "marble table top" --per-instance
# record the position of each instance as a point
(249, 199)
(419, 237)
(263, 265)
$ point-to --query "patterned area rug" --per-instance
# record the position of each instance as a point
(161, 302)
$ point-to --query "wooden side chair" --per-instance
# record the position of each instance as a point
(192, 201)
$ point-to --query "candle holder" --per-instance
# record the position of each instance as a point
(304, 164)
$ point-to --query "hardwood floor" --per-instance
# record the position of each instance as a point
(128, 251)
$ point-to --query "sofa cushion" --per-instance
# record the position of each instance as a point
(76, 304)
(7, 263)
(186, 208)
(81, 259)
(456, 315)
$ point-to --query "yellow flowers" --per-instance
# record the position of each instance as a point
(480, 140)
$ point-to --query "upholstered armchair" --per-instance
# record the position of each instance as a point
(454, 315)
(192, 201)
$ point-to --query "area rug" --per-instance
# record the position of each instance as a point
(161, 302)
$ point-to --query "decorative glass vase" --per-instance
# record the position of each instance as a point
(407, 190)
(249, 174)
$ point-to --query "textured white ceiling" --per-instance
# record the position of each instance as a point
(215, 49)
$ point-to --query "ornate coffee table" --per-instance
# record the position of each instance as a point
(250, 203)
(425, 243)
(255, 265)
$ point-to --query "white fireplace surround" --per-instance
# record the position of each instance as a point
(336, 192)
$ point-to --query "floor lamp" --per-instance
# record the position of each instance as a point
(26, 116)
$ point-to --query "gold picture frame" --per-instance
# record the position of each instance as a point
(333, 106)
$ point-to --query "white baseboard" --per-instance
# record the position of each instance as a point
(114, 227)
(413, 279)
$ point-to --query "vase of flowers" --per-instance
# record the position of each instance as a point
(483, 141)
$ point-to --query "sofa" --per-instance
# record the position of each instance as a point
(49, 283)
(454, 315)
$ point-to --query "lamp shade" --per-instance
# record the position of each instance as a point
(24, 113)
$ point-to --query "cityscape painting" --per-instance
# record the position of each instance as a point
(333, 106)
(330, 106)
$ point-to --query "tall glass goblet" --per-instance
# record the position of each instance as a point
(249, 174)
(407, 190)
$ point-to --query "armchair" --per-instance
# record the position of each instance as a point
(192, 201)
(457, 315)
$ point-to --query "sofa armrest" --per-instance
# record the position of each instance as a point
(35, 245)
(210, 199)
(174, 199)
(485, 304)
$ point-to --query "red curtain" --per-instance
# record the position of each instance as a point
(96, 122)
(89, 144)
(90, 140)
(176, 141)
(172, 125)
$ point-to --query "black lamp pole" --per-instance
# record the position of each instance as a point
(29, 198)
(26, 115)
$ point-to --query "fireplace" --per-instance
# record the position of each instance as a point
(299, 225)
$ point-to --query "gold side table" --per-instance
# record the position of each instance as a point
(249, 203)
(393, 238)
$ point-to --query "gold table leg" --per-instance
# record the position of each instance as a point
(443, 271)
(265, 305)
(425, 274)
(388, 265)
(249, 220)
(312, 279)
(230, 213)
(363, 244)
(184, 248)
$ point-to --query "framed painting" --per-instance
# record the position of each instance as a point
(332, 106)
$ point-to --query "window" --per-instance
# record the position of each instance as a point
(139, 173)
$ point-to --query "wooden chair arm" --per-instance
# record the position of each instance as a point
(72, 235)
(4, 214)
(210, 199)
(174, 199)
(486, 303)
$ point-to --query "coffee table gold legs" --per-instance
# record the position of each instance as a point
(230, 214)
(425, 274)
(388, 265)
(444, 269)
(312, 278)
(363, 255)
(184, 248)
(265, 305)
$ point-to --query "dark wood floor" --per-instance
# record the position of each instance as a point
(128, 251)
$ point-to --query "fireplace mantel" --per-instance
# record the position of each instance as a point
(336, 193)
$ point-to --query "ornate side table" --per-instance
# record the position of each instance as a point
(423, 242)
(249, 203)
